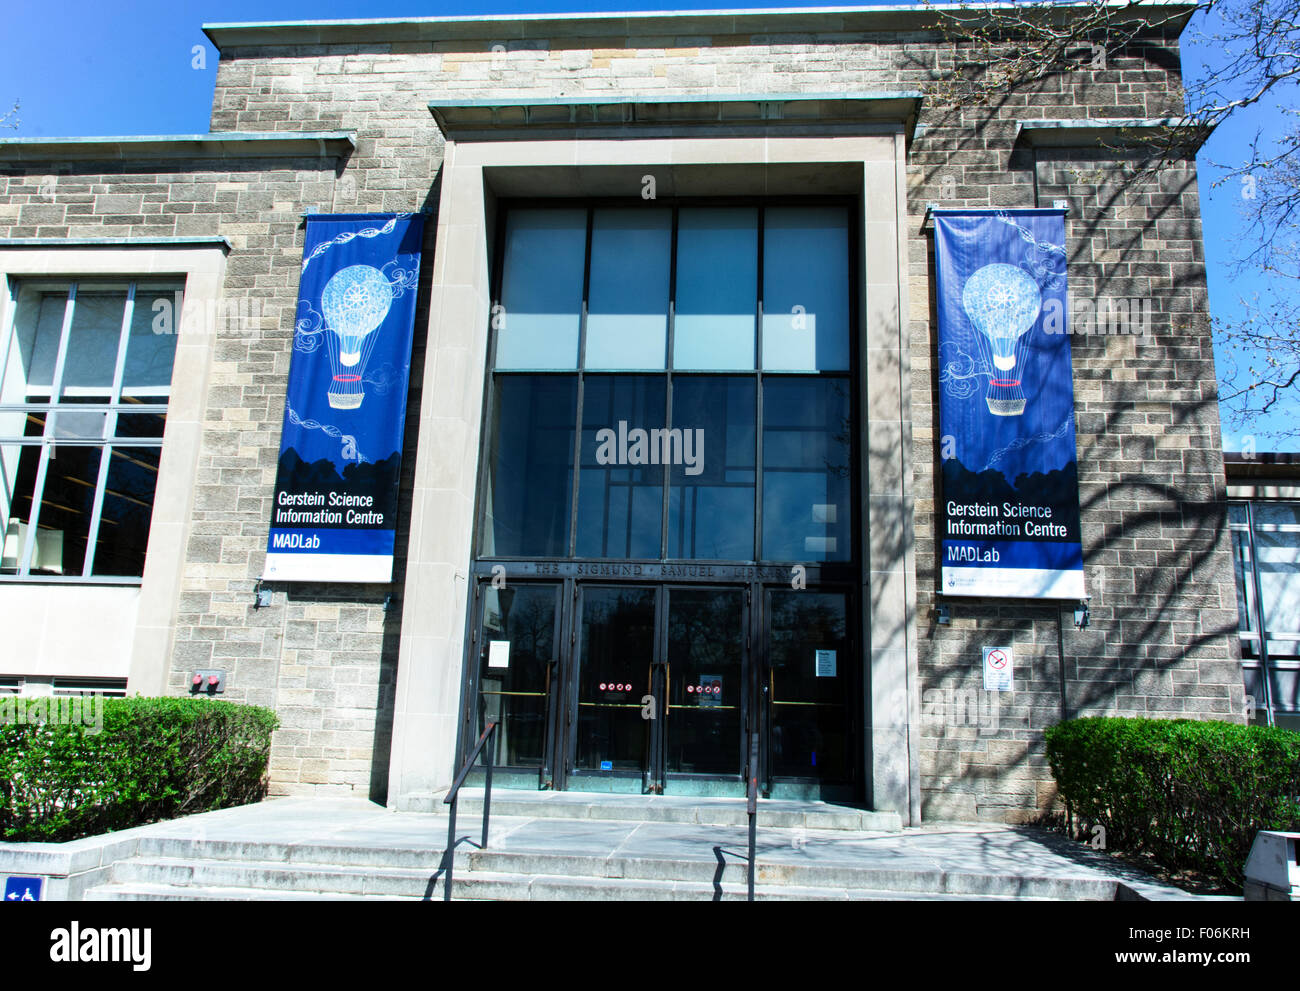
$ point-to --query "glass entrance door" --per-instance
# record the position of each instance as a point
(707, 688)
(661, 690)
(654, 688)
(517, 661)
(610, 737)
(809, 692)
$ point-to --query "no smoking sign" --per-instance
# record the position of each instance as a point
(998, 669)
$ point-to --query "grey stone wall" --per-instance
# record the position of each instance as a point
(1157, 561)
(1157, 556)
(324, 658)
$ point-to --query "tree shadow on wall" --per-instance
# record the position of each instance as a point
(1152, 502)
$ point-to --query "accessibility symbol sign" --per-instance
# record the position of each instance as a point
(998, 669)
(23, 889)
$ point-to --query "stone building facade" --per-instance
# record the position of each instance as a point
(449, 116)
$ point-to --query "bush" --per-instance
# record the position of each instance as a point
(1191, 794)
(155, 758)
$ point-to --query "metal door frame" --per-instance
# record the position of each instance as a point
(853, 688)
(747, 665)
(560, 736)
(471, 708)
(566, 769)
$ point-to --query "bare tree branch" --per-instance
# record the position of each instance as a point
(1005, 49)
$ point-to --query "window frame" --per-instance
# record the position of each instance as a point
(1258, 640)
(109, 439)
(851, 375)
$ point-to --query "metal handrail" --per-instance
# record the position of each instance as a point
(751, 807)
(449, 855)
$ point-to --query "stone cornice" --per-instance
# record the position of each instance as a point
(826, 110)
(218, 144)
(645, 29)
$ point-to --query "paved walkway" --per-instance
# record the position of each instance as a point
(298, 830)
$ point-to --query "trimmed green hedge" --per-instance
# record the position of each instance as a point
(1192, 794)
(62, 777)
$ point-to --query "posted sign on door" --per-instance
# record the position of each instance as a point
(335, 512)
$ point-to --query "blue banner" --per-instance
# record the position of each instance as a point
(335, 512)
(1009, 512)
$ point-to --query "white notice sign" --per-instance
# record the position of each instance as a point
(825, 664)
(998, 665)
(498, 653)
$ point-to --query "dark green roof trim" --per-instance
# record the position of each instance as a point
(216, 144)
(653, 24)
(197, 241)
(768, 110)
(1093, 132)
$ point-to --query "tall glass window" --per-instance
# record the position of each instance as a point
(627, 303)
(85, 378)
(711, 504)
(1266, 553)
(707, 411)
(620, 501)
(541, 289)
(806, 485)
(805, 289)
(529, 466)
(717, 285)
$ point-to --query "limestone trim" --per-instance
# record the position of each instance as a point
(685, 162)
(202, 266)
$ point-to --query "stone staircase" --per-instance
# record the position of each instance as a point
(601, 848)
(524, 877)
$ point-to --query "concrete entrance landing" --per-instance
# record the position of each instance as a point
(779, 813)
(604, 850)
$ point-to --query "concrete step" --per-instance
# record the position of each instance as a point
(900, 880)
(493, 867)
(515, 887)
(772, 814)
(191, 849)
(139, 891)
(544, 887)
(328, 879)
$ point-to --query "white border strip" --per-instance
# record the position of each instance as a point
(1021, 583)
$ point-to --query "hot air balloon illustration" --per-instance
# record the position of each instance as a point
(354, 303)
(1002, 302)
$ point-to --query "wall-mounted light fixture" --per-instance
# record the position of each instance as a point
(942, 615)
(261, 597)
(1082, 615)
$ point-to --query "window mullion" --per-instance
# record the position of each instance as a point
(582, 362)
(8, 335)
(669, 364)
(758, 389)
(119, 370)
(92, 535)
(1262, 623)
(34, 516)
(56, 385)
(56, 381)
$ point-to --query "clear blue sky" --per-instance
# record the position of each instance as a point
(87, 68)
